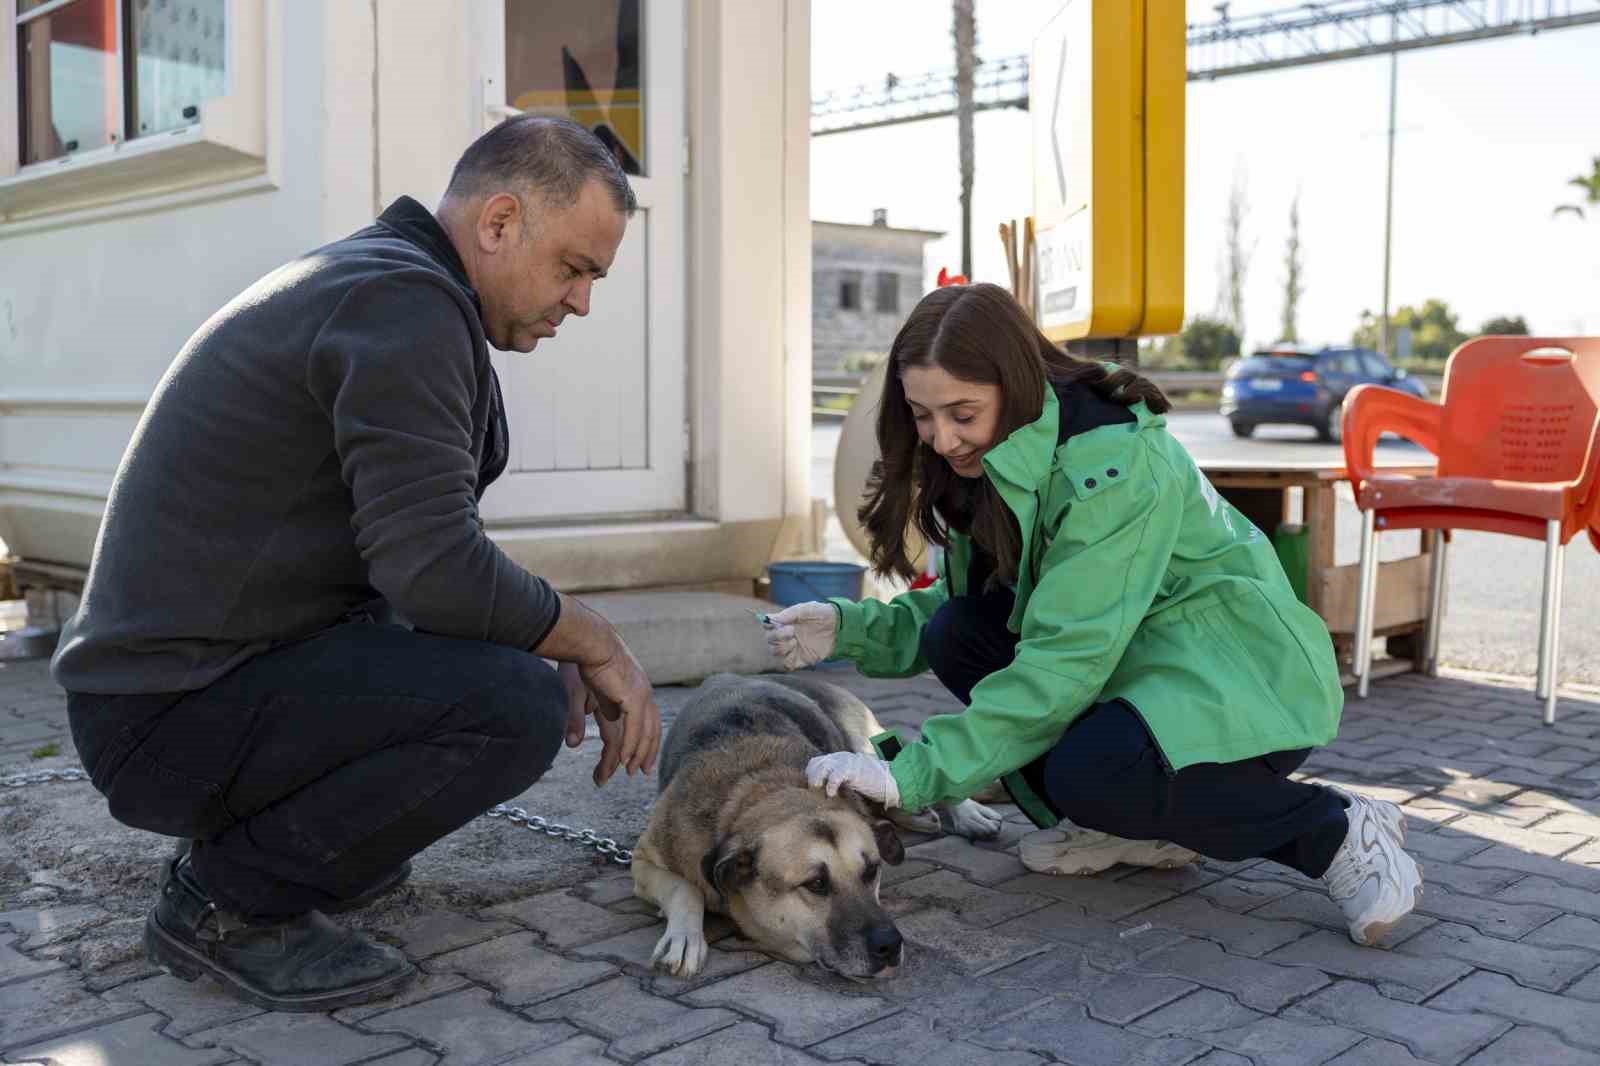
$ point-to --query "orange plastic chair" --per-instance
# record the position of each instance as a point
(1517, 434)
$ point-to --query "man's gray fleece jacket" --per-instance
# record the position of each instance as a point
(321, 442)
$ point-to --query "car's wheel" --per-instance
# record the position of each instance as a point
(1331, 431)
(1241, 429)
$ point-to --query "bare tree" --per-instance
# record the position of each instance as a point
(1236, 255)
(1294, 267)
(966, 37)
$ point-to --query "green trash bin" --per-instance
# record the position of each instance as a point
(1289, 541)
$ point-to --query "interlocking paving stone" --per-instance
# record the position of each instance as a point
(1108, 943)
(971, 951)
(608, 890)
(1585, 902)
(1534, 841)
(1526, 1047)
(435, 932)
(135, 1041)
(48, 925)
(1429, 1034)
(1398, 976)
(1241, 895)
(1315, 908)
(1588, 988)
(976, 864)
(1240, 934)
(192, 1005)
(910, 1040)
(801, 1013)
(1530, 964)
(41, 1007)
(1569, 930)
(1508, 858)
(14, 965)
(1490, 993)
(1264, 1039)
(426, 986)
(637, 1022)
(747, 1044)
(1221, 1058)
(296, 1040)
(1258, 984)
(566, 921)
(1461, 879)
(973, 904)
(518, 969)
(410, 1057)
(1068, 1034)
(1377, 1053)
(1109, 997)
(1494, 917)
(469, 1027)
(1443, 846)
(581, 1050)
(632, 951)
(1096, 895)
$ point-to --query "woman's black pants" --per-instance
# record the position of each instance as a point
(1107, 773)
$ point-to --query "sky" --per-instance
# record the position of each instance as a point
(1488, 135)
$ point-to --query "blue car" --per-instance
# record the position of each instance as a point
(1302, 386)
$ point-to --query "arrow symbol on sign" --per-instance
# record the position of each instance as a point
(1055, 123)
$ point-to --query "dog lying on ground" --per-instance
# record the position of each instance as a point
(737, 830)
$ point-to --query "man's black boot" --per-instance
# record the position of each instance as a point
(302, 964)
(396, 878)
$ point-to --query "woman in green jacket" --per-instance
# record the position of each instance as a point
(1132, 657)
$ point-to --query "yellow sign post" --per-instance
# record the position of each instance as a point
(1106, 88)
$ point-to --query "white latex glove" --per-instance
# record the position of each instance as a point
(868, 775)
(803, 635)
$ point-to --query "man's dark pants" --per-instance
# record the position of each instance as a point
(311, 772)
(1106, 772)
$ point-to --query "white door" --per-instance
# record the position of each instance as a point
(597, 413)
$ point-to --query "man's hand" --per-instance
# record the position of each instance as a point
(803, 635)
(626, 704)
(580, 703)
(867, 775)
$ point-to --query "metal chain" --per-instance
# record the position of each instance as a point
(39, 777)
(516, 815)
(584, 837)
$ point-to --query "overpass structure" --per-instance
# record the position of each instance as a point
(1223, 47)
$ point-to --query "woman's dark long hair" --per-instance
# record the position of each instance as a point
(975, 333)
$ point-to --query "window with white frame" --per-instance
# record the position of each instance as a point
(93, 73)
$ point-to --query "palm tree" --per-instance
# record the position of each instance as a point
(1590, 184)
(966, 40)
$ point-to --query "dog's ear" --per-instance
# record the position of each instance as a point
(889, 845)
(729, 866)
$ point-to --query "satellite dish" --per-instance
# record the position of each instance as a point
(852, 464)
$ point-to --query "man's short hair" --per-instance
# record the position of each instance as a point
(554, 157)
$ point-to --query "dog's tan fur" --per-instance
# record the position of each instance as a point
(737, 830)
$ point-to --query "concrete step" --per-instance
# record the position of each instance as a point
(681, 637)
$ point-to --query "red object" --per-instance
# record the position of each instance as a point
(1308, 375)
(947, 278)
(923, 581)
(1517, 433)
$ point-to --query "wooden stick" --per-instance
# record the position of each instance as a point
(1027, 267)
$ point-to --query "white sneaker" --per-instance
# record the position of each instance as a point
(1076, 851)
(1372, 878)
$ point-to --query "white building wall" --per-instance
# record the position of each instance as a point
(363, 103)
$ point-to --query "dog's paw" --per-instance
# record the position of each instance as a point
(975, 821)
(682, 953)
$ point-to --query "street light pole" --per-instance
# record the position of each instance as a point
(1388, 203)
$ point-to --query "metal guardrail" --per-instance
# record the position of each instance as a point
(825, 386)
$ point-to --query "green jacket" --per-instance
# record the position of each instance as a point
(1137, 581)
